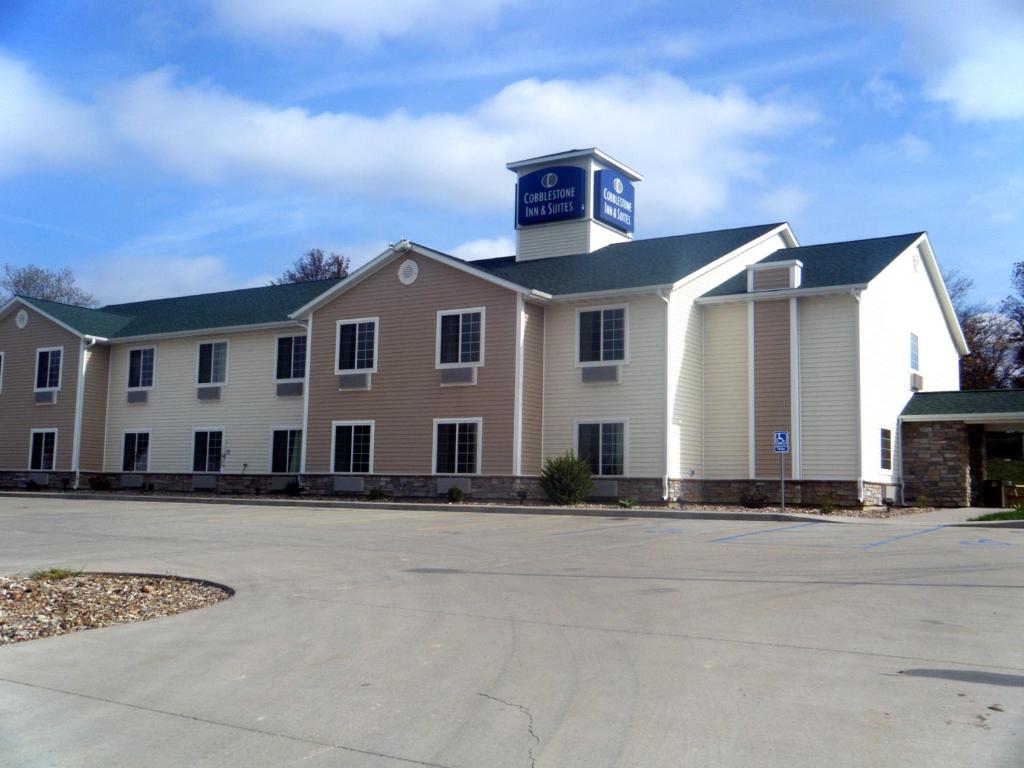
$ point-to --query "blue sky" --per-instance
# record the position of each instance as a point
(178, 147)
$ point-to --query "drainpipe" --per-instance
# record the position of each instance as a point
(76, 448)
(663, 295)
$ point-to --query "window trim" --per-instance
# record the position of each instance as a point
(223, 442)
(277, 352)
(625, 441)
(437, 337)
(31, 439)
(915, 351)
(128, 369)
(881, 456)
(625, 336)
(338, 370)
(227, 363)
(371, 423)
(270, 455)
(479, 421)
(60, 370)
(148, 432)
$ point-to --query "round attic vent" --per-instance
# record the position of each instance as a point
(21, 319)
(408, 272)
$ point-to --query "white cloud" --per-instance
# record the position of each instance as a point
(120, 279)
(695, 144)
(39, 126)
(784, 203)
(485, 248)
(358, 22)
(909, 146)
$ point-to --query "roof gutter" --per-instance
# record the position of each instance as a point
(853, 289)
(969, 418)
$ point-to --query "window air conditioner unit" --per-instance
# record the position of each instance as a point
(916, 382)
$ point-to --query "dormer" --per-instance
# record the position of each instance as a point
(572, 202)
(774, 275)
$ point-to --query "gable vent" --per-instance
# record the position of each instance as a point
(408, 272)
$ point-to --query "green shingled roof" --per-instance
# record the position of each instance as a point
(635, 264)
(249, 306)
(853, 262)
(965, 402)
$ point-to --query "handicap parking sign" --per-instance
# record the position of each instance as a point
(781, 442)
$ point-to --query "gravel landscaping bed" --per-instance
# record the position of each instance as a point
(59, 602)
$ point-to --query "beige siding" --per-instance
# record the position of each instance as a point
(828, 388)
(533, 390)
(248, 410)
(772, 388)
(19, 413)
(545, 240)
(406, 395)
(94, 409)
(726, 412)
(771, 279)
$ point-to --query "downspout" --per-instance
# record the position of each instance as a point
(663, 295)
(76, 446)
(305, 393)
(860, 404)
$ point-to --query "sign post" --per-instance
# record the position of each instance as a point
(780, 444)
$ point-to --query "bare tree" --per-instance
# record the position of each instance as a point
(314, 265)
(51, 285)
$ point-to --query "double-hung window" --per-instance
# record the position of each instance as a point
(286, 450)
(915, 353)
(43, 450)
(353, 446)
(460, 337)
(135, 457)
(357, 346)
(603, 446)
(886, 449)
(48, 368)
(602, 335)
(208, 450)
(291, 358)
(140, 368)
(457, 447)
(213, 363)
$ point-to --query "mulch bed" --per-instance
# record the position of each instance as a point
(31, 608)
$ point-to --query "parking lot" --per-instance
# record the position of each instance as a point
(389, 638)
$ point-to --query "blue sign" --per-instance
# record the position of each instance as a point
(781, 442)
(614, 200)
(551, 194)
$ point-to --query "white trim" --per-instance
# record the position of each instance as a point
(782, 293)
(227, 358)
(31, 438)
(60, 370)
(624, 421)
(218, 330)
(478, 420)
(625, 335)
(371, 423)
(47, 315)
(3, 365)
(270, 453)
(192, 460)
(128, 369)
(858, 339)
(782, 230)
(76, 434)
(437, 337)
(277, 347)
(613, 293)
(751, 402)
(132, 431)
(669, 400)
(339, 371)
(939, 286)
(577, 154)
(305, 391)
(794, 391)
(970, 418)
(517, 411)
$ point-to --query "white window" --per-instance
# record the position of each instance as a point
(212, 363)
(140, 368)
(460, 337)
(42, 450)
(352, 446)
(601, 335)
(603, 446)
(457, 446)
(48, 364)
(286, 449)
(208, 452)
(886, 449)
(915, 356)
(357, 346)
(135, 454)
(291, 358)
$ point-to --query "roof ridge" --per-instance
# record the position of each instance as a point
(858, 240)
(221, 293)
(26, 297)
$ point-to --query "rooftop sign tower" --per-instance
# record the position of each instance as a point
(572, 202)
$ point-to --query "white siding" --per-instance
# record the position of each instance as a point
(602, 235)
(638, 397)
(900, 301)
(248, 409)
(828, 388)
(726, 411)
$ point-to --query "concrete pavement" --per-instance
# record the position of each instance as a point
(390, 638)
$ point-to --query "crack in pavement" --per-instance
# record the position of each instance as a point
(529, 724)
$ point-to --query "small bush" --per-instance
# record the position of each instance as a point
(100, 483)
(566, 479)
(293, 489)
(31, 485)
(754, 500)
(456, 495)
(53, 574)
(828, 505)
(626, 503)
(376, 494)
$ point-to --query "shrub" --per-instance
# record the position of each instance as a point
(456, 495)
(100, 483)
(376, 494)
(566, 479)
(54, 574)
(31, 485)
(626, 503)
(293, 488)
(754, 499)
(828, 505)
